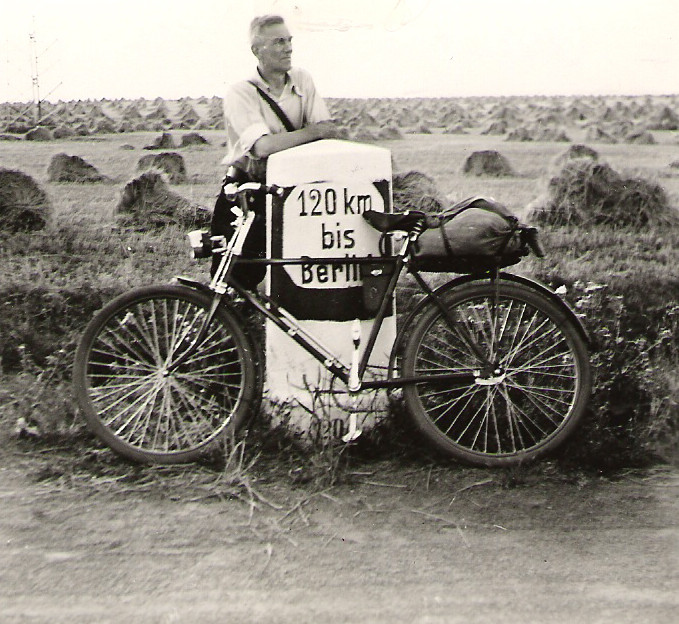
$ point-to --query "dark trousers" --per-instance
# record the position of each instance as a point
(255, 244)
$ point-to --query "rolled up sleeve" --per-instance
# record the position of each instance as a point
(245, 123)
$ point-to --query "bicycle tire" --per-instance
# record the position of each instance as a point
(523, 406)
(133, 399)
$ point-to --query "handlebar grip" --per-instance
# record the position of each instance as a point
(531, 237)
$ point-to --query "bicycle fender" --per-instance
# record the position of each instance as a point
(548, 292)
(192, 283)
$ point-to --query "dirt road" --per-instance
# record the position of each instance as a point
(393, 546)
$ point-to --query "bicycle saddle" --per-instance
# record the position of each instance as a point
(390, 221)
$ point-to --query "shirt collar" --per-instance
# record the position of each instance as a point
(289, 80)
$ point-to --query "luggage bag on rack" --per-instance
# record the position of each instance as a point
(477, 234)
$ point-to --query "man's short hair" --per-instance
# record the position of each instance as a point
(260, 23)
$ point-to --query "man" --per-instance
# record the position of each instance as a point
(255, 130)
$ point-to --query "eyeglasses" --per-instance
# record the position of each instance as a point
(279, 42)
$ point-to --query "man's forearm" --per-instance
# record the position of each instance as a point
(272, 143)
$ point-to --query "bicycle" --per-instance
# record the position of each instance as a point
(493, 367)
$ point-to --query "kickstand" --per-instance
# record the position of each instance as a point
(354, 431)
(354, 384)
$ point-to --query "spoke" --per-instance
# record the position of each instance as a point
(521, 415)
(483, 424)
(147, 328)
(198, 404)
(471, 419)
(473, 389)
(137, 416)
(133, 390)
(456, 338)
(208, 353)
(549, 393)
(525, 343)
(164, 409)
(545, 403)
(189, 327)
(107, 391)
(513, 421)
(144, 339)
(125, 349)
(546, 357)
(441, 361)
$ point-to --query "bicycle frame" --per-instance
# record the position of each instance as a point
(222, 280)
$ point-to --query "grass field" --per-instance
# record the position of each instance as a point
(52, 281)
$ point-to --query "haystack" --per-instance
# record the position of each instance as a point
(169, 163)
(39, 133)
(551, 134)
(640, 137)
(104, 125)
(665, 119)
(521, 133)
(164, 141)
(159, 112)
(595, 134)
(421, 128)
(63, 132)
(575, 151)
(83, 130)
(147, 203)
(455, 129)
(189, 117)
(487, 162)
(65, 168)
(389, 132)
(193, 138)
(416, 191)
(24, 206)
(362, 134)
(496, 127)
(587, 192)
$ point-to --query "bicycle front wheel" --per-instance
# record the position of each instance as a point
(528, 375)
(148, 390)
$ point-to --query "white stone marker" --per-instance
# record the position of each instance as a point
(328, 185)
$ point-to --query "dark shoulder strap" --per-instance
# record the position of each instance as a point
(274, 107)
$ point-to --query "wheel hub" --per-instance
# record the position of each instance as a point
(491, 376)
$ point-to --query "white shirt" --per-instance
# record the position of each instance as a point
(249, 117)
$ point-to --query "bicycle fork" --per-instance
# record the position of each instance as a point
(231, 251)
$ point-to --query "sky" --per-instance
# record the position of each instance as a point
(353, 48)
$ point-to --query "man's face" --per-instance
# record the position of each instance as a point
(273, 49)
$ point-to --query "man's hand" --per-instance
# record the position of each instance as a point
(325, 130)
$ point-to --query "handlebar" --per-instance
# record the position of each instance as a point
(233, 190)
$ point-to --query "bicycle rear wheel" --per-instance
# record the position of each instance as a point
(529, 375)
(141, 394)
